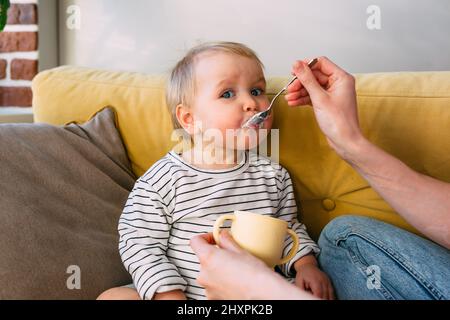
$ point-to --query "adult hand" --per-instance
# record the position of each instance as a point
(332, 93)
(231, 273)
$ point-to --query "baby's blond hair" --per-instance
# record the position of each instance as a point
(181, 83)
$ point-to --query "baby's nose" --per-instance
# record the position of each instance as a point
(250, 104)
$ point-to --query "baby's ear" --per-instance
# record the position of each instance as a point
(185, 118)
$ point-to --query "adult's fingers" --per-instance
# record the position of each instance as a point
(321, 77)
(296, 95)
(227, 242)
(302, 93)
(297, 85)
(327, 67)
(294, 86)
(209, 237)
(308, 80)
(202, 246)
(300, 102)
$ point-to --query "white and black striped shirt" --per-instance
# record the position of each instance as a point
(174, 201)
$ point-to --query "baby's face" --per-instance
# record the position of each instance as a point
(229, 90)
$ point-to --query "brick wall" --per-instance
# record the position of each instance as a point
(19, 54)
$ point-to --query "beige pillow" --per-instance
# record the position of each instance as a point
(62, 190)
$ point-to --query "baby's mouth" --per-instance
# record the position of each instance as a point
(244, 124)
(253, 126)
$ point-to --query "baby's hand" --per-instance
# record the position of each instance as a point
(170, 295)
(310, 278)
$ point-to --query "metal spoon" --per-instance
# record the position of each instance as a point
(257, 120)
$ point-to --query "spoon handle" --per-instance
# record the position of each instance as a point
(310, 65)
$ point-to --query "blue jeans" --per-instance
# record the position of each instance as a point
(369, 259)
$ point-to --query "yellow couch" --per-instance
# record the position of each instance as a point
(406, 114)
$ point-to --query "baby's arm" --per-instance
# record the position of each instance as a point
(144, 228)
(287, 210)
(303, 265)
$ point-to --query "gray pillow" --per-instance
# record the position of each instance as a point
(62, 190)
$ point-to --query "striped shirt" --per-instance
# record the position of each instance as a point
(174, 201)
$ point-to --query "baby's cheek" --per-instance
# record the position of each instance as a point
(232, 123)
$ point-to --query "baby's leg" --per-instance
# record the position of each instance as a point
(120, 293)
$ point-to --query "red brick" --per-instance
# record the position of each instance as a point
(18, 41)
(3, 64)
(23, 69)
(15, 97)
(22, 14)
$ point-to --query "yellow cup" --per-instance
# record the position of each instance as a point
(260, 235)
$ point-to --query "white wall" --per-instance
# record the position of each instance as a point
(151, 35)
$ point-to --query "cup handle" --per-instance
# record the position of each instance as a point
(218, 225)
(294, 248)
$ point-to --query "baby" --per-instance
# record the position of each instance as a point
(215, 87)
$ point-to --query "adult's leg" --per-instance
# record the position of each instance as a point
(369, 259)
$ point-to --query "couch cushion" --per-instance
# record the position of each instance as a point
(407, 114)
(62, 190)
(144, 123)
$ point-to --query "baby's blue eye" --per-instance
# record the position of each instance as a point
(228, 94)
(256, 92)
